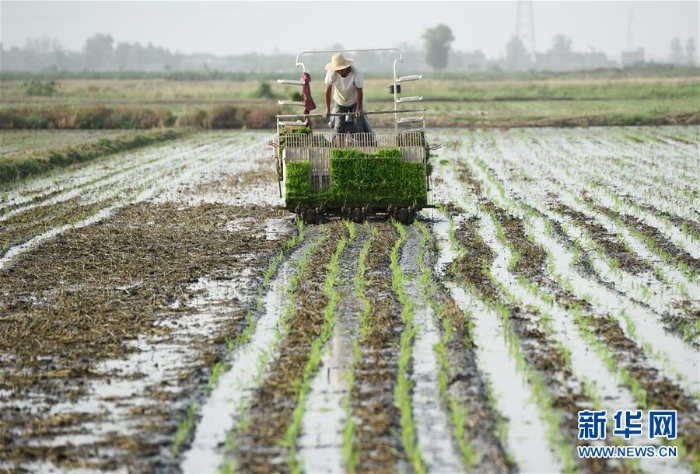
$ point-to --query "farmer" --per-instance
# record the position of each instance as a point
(348, 95)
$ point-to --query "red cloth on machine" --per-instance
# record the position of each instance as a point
(309, 103)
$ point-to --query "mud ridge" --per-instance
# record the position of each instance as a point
(466, 385)
(692, 227)
(659, 241)
(612, 247)
(377, 433)
(659, 392)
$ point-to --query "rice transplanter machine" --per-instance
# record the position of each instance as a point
(354, 175)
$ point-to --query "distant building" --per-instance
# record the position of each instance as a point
(631, 58)
(571, 61)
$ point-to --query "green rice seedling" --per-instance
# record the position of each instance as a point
(359, 178)
(458, 413)
(215, 374)
(314, 360)
(542, 395)
(609, 360)
(515, 258)
(351, 454)
(402, 392)
(183, 429)
(629, 324)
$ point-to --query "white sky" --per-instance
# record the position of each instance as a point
(235, 27)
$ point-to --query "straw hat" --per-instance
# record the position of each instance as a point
(338, 62)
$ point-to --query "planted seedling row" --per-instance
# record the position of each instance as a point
(545, 359)
(478, 430)
(684, 358)
(109, 170)
(621, 258)
(377, 434)
(273, 418)
(326, 411)
(690, 442)
(612, 174)
(612, 153)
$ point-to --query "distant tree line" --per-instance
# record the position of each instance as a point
(102, 54)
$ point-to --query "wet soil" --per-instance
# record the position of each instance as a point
(607, 241)
(85, 297)
(377, 433)
(23, 226)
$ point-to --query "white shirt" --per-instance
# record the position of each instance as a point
(345, 87)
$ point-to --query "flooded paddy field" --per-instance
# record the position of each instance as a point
(160, 311)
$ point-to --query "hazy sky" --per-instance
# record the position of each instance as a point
(234, 27)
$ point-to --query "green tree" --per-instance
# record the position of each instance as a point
(690, 51)
(98, 52)
(676, 56)
(561, 44)
(437, 46)
(517, 57)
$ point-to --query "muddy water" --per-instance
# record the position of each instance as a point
(222, 409)
(432, 424)
(321, 439)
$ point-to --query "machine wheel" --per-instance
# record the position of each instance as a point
(358, 215)
(405, 215)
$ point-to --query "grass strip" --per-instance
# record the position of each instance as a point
(44, 162)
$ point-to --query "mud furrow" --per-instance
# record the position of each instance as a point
(321, 442)
(463, 388)
(263, 446)
(594, 166)
(377, 438)
(687, 226)
(532, 265)
(661, 244)
(676, 359)
(630, 356)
